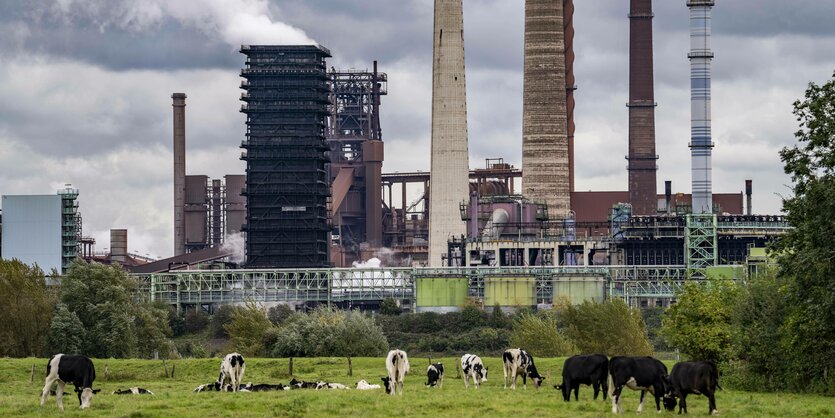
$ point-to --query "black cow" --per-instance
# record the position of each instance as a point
(584, 370)
(639, 373)
(264, 387)
(70, 368)
(698, 377)
(435, 375)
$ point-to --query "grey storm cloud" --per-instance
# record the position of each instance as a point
(85, 90)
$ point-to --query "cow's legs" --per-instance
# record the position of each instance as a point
(683, 404)
(467, 381)
(476, 381)
(46, 387)
(577, 392)
(641, 405)
(505, 376)
(616, 399)
(596, 387)
(657, 402)
(59, 394)
(711, 404)
(513, 379)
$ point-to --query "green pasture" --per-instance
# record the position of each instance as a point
(174, 396)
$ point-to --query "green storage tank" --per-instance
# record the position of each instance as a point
(440, 293)
(578, 289)
(509, 291)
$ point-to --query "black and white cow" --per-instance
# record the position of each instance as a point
(232, 368)
(363, 385)
(397, 365)
(70, 368)
(518, 362)
(435, 375)
(698, 377)
(132, 391)
(639, 373)
(473, 368)
(264, 387)
(590, 369)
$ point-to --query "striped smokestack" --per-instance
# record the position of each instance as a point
(449, 173)
(545, 146)
(642, 157)
(179, 105)
(701, 143)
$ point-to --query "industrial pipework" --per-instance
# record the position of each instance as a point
(701, 143)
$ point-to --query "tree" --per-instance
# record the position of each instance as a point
(699, 324)
(389, 307)
(538, 334)
(25, 308)
(66, 332)
(327, 332)
(221, 317)
(247, 329)
(196, 320)
(610, 328)
(806, 254)
(280, 313)
(153, 331)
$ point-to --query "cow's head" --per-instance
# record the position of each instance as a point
(669, 395)
(533, 374)
(481, 372)
(86, 397)
(387, 383)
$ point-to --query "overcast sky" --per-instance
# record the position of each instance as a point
(85, 91)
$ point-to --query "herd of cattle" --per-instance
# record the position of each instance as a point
(645, 374)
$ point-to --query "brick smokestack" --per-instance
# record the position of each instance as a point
(642, 158)
(545, 146)
(179, 105)
(449, 172)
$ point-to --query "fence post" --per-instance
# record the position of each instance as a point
(291, 367)
(350, 367)
(173, 367)
(166, 367)
(32, 378)
(457, 371)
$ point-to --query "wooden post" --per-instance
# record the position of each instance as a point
(291, 367)
(457, 371)
(32, 377)
(430, 360)
(350, 367)
(166, 367)
(173, 366)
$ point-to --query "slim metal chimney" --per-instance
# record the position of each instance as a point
(749, 189)
(545, 146)
(642, 158)
(179, 104)
(701, 143)
(449, 172)
(668, 196)
(119, 245)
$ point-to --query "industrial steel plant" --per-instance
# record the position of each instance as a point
(314, 204)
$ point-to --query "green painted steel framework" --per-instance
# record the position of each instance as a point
(700, 251)
(203, 287)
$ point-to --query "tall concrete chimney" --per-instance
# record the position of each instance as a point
(545, 146)
(179, 105)
(642, 158)
(701, 143)
(450, 160)
(570, 83)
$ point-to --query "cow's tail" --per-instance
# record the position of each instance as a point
(714, 374)
(611, 382)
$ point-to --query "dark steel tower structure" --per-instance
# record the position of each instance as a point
(642, 158)
(285, 152)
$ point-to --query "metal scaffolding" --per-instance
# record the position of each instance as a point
(700, 244)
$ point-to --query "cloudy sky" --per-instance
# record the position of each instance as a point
(85, 90)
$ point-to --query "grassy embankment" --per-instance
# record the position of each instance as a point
(174, 396)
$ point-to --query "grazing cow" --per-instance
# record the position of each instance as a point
(435, 375)
(363, 385)
(232, 368)
(397, 365)
(584, 370)
(518, 362)
(70, 368)
(473, 368)
(132, 391)
(698, 377)
(639, 373)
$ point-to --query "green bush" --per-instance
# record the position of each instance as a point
(280, 313)
(246, 329)
(222, 316)
(389, 307)
(328, 332)
(611, 328)
(538, 335)
(196, 321)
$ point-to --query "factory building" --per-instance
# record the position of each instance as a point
(42, 229)
(287, 190)
(214, 209)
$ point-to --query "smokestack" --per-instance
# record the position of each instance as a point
(179, 105)
(450, 162)
(641, 159)
(570, 86)
(119, 245)
(701, 143)
(749, 189)
(545, 147)
(668, 195)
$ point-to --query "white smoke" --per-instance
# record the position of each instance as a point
(235, 244)
(236, 22)
(371, 263)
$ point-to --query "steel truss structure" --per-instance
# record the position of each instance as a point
(349, 286)
(701, 249)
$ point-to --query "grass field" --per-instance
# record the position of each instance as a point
(174, 396)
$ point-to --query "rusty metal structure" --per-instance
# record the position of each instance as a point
(287, 190)
(642, 158)
(355, 140)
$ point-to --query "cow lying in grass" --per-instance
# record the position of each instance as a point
(132, 391)
(300, 384)
(363, 385)
(263, 387)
